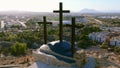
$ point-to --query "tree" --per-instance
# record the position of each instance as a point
(83, 38)
(18, 49)
(85, 42)
(89, 29)
(6, 51)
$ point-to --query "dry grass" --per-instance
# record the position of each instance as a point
(23, 60)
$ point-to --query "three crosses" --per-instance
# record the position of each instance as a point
(61, 11)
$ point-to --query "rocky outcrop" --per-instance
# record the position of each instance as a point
(45, 55)
(51, 60)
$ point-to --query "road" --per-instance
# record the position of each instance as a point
(43, 65)
(94, 20)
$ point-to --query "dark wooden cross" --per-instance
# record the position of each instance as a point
(61, 11)
(45, 28)
(73, 26)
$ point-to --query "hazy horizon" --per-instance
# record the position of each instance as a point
(49, 6)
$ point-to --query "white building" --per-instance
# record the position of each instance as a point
(115, 41)
(118, 43)
(101, 37)
(2, 24)
(98, 36)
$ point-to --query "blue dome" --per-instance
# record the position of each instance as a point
(63, 48)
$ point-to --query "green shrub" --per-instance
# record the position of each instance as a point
(117, 49)
(18, 49)
(85, 42)
(104, 45)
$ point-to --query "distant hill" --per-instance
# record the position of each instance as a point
(89, 11)
(96, 11)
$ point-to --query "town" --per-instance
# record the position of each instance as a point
(51, 40)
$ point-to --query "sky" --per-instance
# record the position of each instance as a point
(50, 5)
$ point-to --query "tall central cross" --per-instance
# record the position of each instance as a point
(45, 28)
(73, 26)
(61, 11)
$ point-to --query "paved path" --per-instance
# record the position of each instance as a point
(42, 65)
(91, 63)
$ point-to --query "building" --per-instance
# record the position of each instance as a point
(98, 36)
(102, 37)
(2, 25)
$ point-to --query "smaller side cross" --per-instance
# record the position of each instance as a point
(73, 26)
(45, 28)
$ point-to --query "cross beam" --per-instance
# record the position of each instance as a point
(73, 26)
(45, 28)
(61, 11)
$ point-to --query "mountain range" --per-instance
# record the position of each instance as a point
(97, 11)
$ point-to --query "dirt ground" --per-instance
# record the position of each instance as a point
(23, 61)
